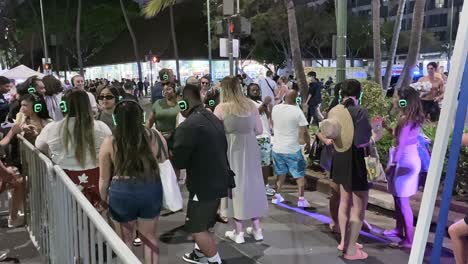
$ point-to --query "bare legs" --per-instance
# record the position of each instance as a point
(147, 230)
(334, 205)
(205, 242)
(405, 223)
(459, 234)
(300, 184)
(351, 216)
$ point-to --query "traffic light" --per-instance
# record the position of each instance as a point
(155, 59)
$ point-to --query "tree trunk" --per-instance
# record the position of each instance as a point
(174, 42)
(296, 49)
(78, 39)
(31, 49)
(376, 40)
(394, 45)
(415, 42)
(134, 40)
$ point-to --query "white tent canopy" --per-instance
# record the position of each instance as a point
(21, 72)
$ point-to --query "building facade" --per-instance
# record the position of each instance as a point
(441, 16)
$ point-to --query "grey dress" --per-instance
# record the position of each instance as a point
(248, 198)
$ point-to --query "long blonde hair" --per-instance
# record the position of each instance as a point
(236, 103)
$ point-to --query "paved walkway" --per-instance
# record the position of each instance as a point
(292, 235)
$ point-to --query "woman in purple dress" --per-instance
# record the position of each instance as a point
(405, 165)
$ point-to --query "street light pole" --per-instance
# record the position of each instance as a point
(46, 54)
(449, 55)
(210, 58)
(230, 52)
(341, 9)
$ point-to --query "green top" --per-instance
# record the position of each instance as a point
(165, 116)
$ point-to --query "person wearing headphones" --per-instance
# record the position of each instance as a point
(73, 143)
(130, 179)
(405, 164)
(202, 135)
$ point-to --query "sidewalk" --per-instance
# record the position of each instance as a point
(379, 197)
(17, 242)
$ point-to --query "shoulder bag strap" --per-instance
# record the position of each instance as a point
(160, 144)
(271, 88)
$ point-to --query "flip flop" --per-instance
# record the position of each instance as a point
(360, 255)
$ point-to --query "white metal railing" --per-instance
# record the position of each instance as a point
(62, 223)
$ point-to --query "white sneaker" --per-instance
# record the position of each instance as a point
(257, 234)
(303, 203)
(237, 238)
(18, 222)
(269, 191)
(4, 254)
(277, 199)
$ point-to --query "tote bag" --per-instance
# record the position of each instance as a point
(172, 198)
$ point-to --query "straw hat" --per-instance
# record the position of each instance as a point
(330, 128)
(339, 114)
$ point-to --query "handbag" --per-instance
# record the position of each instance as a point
(374, 168)
(316, 150)
(172, 197)
(326, 158)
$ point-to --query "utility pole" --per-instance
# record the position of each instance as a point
(449, 55)
(210, 56)
(46, 53)
(341, 23)
(230, 52)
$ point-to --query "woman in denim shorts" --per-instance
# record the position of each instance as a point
(129, 164)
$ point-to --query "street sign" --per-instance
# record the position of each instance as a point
(223, 48)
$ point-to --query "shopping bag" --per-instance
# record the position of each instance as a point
(172, 198)
(374, 168)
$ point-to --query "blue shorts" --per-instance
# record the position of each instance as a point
(293, 163)
(129, 200)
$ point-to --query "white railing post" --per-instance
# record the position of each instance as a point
(62, 223)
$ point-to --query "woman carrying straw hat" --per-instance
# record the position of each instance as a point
(349, 132)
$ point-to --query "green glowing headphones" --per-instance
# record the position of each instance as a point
(37, 104)
(211, 102)
(183, 105)
(114, 119)
(299, 100)
(165, 76)
(63, 106)
(402, 103)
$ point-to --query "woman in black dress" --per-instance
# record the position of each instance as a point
(349, 170)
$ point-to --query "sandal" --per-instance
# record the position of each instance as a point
(359, 255)
(400, 245)
(358, 246)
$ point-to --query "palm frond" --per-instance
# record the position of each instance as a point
(153, 7)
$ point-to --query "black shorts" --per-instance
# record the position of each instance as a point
(201, 215)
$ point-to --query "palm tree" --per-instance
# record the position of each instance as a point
(376, 40)
(394, 45)
(134, 40)
(152, 8)
(296, 48)
(78, 39)
(414, 45)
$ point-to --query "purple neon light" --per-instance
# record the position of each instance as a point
(326, 220)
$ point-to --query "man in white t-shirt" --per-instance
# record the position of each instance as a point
(78, 82)
(268, 87)
(289, 125)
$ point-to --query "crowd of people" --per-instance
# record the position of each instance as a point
(99, 134)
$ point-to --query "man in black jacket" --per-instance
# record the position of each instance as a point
(202, 135)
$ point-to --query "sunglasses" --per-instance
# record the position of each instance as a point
(205, 83)
(107, 97)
